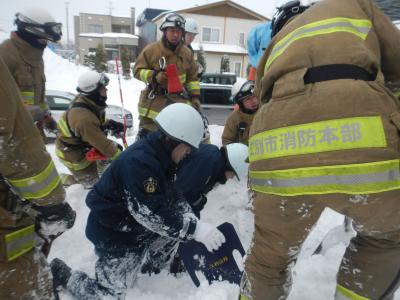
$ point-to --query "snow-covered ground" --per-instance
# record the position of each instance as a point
(314, 276)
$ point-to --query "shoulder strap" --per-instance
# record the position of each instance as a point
(79, 105)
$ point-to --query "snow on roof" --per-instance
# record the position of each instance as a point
(110, 35)
(223, 48)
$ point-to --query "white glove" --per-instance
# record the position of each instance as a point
(208, 235)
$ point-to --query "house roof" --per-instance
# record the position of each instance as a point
(225, 8)
(147, 15)
(219, 48)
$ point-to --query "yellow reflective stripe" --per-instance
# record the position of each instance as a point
(193, 85)
(397, 94)
(148, 113)
(63, 128)
(182, 78)
(19, 242)
(365, 178)
(28, 97)
(243, 297)
(37, 186)
(77, 166)
(316, 137)
(358, 27)
(44, 106)
(116, 154)
(345, 294)
(144, 75)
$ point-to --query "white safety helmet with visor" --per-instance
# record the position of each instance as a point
(173, 20)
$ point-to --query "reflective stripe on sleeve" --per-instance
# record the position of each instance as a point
(193, 86)
(147, 113)
(317, 137)
(28, 97)
(63, 128)
(353, 179)
(345, 294)
(357, 27)
(144, 75)
(77, 166)
(37, 186)
(19, 242)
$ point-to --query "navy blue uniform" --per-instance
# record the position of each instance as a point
(136, 215)
(198, 173)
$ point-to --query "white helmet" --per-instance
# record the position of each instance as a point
(173, 20)
(181, 122)
(237, 155)
(40, 23)
(191, 26)
(242, 89)
(89, 81)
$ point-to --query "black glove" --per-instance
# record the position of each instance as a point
(52, 220)
(115, 128)
(119, 146)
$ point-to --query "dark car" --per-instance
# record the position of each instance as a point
(216, 78)
(216, 102)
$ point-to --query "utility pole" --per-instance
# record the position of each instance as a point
(110, 8)
(66, 13)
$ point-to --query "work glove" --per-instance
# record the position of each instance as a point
(209, 236)
(115, 128)
(196, 103)
(53, 220)
(49, 123)
(161, 78)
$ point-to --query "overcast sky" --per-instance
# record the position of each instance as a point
(119, 8)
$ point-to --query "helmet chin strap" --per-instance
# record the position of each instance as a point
(31, 39)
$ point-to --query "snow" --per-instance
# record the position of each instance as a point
(219, 48)
(314, 276)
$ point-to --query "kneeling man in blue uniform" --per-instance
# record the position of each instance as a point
(208, 166)
(137, 217)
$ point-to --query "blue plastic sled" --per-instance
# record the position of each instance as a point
(217, 265)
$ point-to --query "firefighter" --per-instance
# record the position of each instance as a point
(205, 168)
(137, 218)
(237, 126)
(82, 129)
(35, 206)
(150, 68)
(191, 30)
(23, 55)
(328, 137)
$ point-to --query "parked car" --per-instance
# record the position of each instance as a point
(216, 102)
(59, 102)
(217, 78)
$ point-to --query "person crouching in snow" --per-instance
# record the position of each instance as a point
(200, 172)
(82, 127)
(137, 217)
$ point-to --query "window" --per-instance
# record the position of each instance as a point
(238, 68)
(93, 28)
(210, 34)
(241, 38)
(58, 103)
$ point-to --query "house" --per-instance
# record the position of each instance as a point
(147, 29)
(224, 27)
(110, 31)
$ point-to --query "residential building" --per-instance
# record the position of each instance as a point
(147, 30)
(224, 27)
(110, 31)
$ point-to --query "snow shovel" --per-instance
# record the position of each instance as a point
(218, 265)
